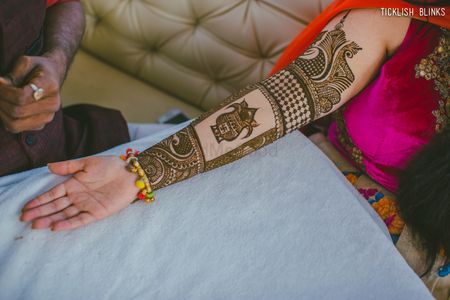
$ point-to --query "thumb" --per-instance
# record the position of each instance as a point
(67, 167)
(5, 81)
(22, 68)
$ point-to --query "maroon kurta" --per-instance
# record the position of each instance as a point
(76, 131)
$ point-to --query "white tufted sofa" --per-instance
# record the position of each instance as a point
(146, 57)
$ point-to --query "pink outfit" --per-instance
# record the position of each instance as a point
(392, 118)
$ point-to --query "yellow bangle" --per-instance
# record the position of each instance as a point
(143, 184)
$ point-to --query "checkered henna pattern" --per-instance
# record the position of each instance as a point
(291, 95)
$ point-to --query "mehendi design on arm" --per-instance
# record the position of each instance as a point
(259, 114)
(325, 70)
(174, 159)
(229, 125)
(243, 150)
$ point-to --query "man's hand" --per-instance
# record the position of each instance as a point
(19, 110)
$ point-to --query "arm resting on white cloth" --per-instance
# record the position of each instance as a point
(239, 232)
(341, 61)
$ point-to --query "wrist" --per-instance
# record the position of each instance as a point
(142, 183)
(59, 60)
(129, 178)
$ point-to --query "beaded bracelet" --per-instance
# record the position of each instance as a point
(143, 184)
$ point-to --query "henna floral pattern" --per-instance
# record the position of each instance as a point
(174, 159)
(247, 148)
(325, 69)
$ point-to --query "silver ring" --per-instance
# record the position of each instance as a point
(38, 92)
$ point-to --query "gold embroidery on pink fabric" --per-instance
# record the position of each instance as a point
(436, 67)
(345, 140)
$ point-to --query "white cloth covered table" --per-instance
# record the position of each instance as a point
(280, 224)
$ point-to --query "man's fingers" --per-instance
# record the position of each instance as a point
(46, 209)
(5, 81)
(53, 194)
(27, 124)
(21, 96)
(46, 222)
(77, 221)
(67, 167)
(16, 95)
(45, 81)
(46, 105)
(22, 68)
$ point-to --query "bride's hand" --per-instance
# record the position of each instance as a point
(99, 187)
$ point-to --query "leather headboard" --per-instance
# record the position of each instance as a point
(197, 50)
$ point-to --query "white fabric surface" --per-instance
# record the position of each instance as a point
(140, 130)
(280, 224)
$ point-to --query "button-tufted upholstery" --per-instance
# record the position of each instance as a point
(147, 56)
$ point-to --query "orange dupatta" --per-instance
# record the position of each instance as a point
(307, 36)
(52, 2)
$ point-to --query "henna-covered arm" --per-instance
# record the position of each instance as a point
(338, 65)
(341, 61)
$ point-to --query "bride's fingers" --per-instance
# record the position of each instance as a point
(67, 167)
(55, 193)
(77, 221)
(46, 209)
(46, 222)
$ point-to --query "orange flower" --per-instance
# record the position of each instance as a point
(384, 208)
(397, 225)
(387, 209)
(352, 178)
